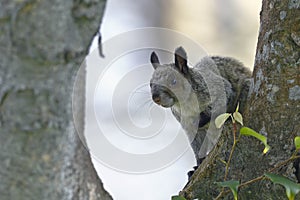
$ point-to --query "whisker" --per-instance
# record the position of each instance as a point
(147, 103)
(137, 101)
(142, 90)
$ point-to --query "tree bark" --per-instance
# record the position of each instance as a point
(273, 109)
(42, 44)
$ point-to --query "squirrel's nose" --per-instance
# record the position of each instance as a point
(156, 98)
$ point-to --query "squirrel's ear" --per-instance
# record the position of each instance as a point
(181, 60)
(154, 60)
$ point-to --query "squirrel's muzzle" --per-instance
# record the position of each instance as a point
(156, 98)
(161, 95)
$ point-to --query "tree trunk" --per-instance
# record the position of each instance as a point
(273, 109)
(42, 44)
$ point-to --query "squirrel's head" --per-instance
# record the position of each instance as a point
(169, 84)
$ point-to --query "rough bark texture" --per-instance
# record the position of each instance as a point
(273, 109)
(42, 44)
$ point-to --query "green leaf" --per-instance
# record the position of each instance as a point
(237, 107)
(297, 142)
(221, 119)
(238, 117)
(233, 185)
(291, 188)
(249, 132)
(266, 149)
(178, 198)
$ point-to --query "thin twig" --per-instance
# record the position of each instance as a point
(251, 181)
(283, 163)
(228, 162)
(231, 152)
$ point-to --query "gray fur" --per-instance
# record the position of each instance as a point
(199, 94)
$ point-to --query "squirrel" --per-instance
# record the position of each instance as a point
(197, 95)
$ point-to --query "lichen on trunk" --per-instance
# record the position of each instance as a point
(273, 109)
(42, 46)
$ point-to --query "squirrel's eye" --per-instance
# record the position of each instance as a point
(173, 82)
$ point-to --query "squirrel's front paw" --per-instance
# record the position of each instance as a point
(190, 173)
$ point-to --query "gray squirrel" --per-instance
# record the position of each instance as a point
(197, 95)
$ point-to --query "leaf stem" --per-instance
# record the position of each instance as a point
(270, 170)
(231, 152)
(223, 192)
